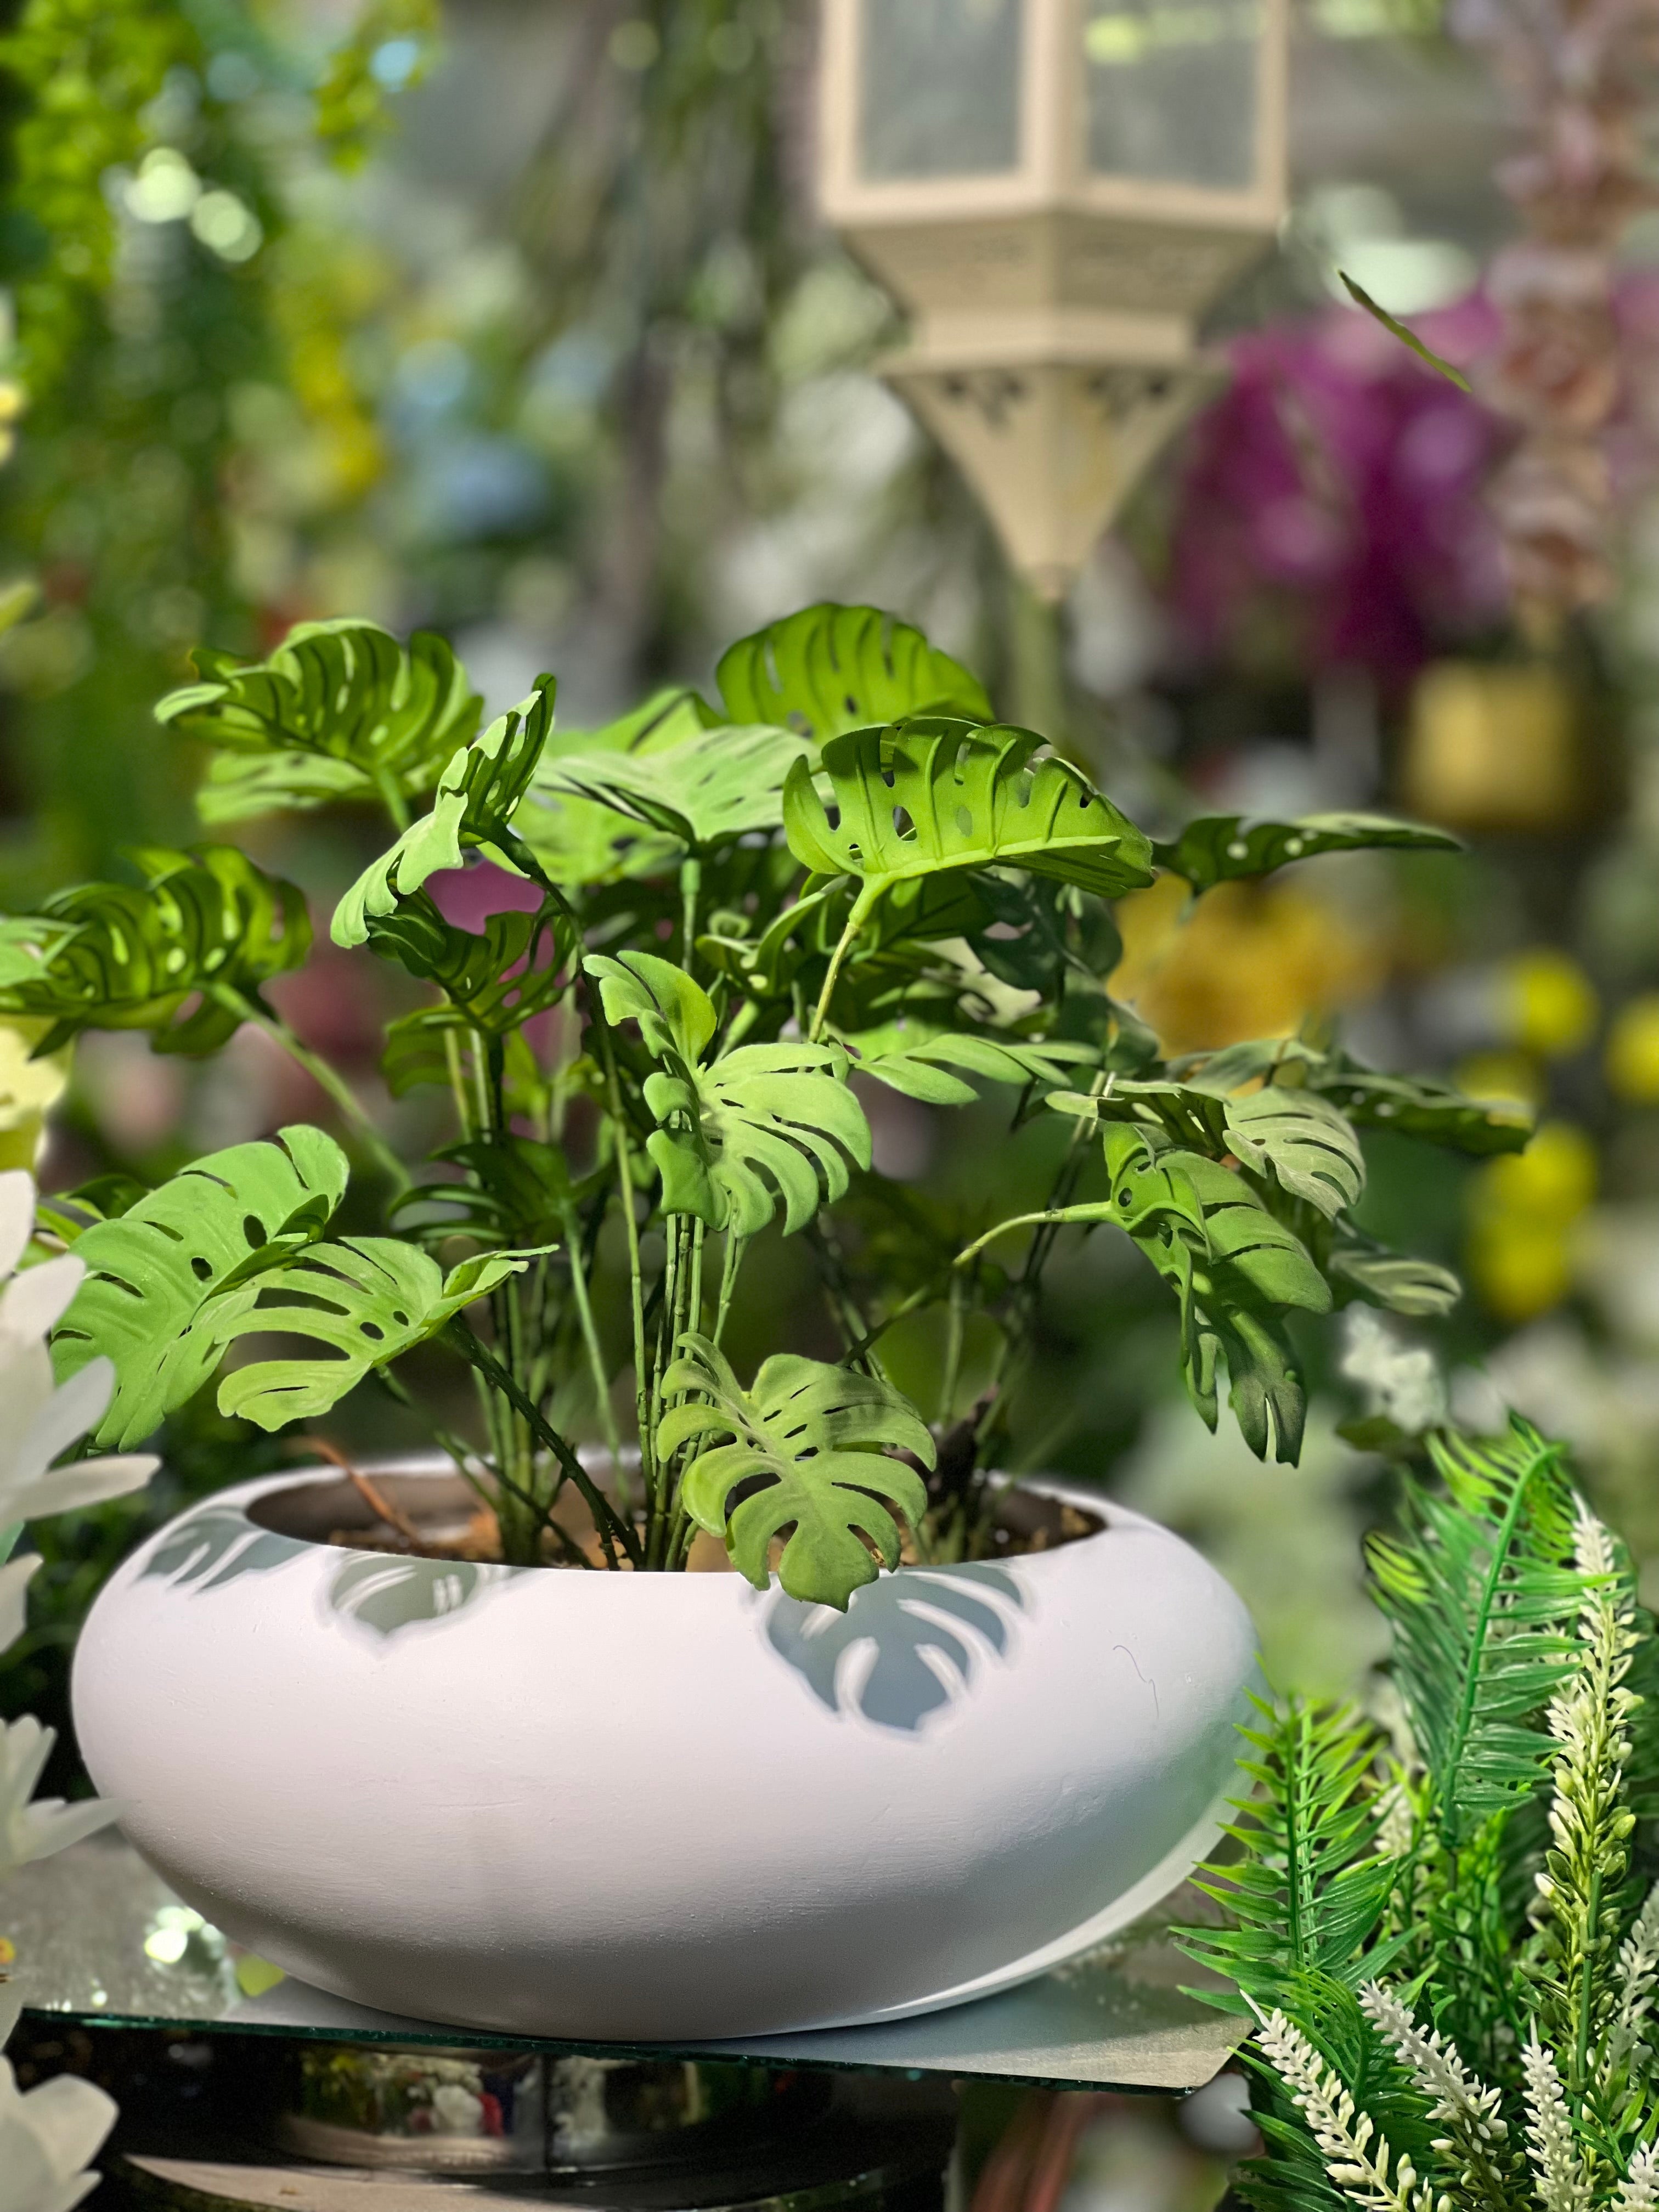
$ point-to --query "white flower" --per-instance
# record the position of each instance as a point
(43, 1419)
(35, 1831)
(46, 2136)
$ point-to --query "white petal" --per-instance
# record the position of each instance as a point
(50, 1826)
(82, 1482)
(14, 1600)
(28, 2183)
(70, 2118)
(27, 1383)
(33, 1303)
(11, 2011)
(73, 1408)
(16, 1216)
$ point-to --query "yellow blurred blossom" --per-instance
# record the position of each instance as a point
(1525, 1209)
(1251, 961)
(1633, 1054)
(29, 1089)
(1549, 1003)
(1501, 1078)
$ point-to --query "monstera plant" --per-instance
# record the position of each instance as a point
(733, 921)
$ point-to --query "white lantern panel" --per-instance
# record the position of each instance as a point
(938, 88)
(1173, 90)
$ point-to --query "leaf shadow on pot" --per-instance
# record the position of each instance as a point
(922, 1663)
(377, 1591)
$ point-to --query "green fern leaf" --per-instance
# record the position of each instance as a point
(927, 796)
(1482, 1598)
(1223, 848)
(829, 669)
(764, 1126)
(478, 793)
(367, 1300)
(519, 967)
(206, 929)
(815, 1437)
(340, 710)
(166, 1281)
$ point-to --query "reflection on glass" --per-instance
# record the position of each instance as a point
(938, 89)
(1172, 89)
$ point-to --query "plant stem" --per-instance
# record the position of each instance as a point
(863, 906)
(393, 800)
(321, 1073)
(1060, 1216)
(631, 1227)
(612, 1529)
(735, 1249)
(591, 1340)
(690, 886)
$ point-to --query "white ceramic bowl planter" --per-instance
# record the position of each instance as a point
(657, 1807)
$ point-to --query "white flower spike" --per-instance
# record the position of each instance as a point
(47, 2135)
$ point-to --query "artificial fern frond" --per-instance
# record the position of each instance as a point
(1482, 1595)
(1307, 1892)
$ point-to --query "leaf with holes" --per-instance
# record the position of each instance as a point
(588, 842)
(166, 1280)
(1222, 848)
(933, 1070)
(520, 966)
(206, 922)
(829, 669)
(1306, 1144)
(368, 1300)
(719, 785)
(931, 795)
(816, 1438)
(340, 710)
(516, 1193)
(1418, 1106)
(477, 795)
(764, 1125)
(1405, 1285)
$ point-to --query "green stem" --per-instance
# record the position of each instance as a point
(631, 1228)
(591, 1340)
(863, 906)
(735, 1249)
(321, 1073)
(690, 886)
(393, 800)
(461, 1452)
(1058, 1215)
(612, 1528)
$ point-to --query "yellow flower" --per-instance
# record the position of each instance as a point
(29, 1089)
(1524, 1211)
(1632, 1055)
(1549, 1005)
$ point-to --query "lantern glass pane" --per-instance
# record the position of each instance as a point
(938, 88)
(1172, 90)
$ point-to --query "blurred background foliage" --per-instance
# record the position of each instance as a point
(516, 322)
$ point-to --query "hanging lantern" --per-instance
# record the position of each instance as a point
(1055, 190)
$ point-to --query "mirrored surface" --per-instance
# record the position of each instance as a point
(1172, 90)
(99, 1938)
(938, 88)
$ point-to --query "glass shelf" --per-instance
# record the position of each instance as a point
(101, 1940)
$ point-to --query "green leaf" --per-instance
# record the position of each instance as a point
(1308, 1145)
(517, 1192)
(814, 1436)
(718, 786)
(340, 710)
(1221, 848)
(765, 1125)
(1482, 1600)
(115, 956)
(927, 796)
(478, 793)
(367, 1300)
(1405, 1285)
(582, 841)
(165, 1281)
(925, 1070)
(518, 968)
(1417, 1106)
(829, 669)
(1407, 338)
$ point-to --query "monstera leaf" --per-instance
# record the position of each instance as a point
(814, 1437)
(933, 1070)
(718, 786)
(494, 982)
(765, 1125)
(1308, 1146)
(931, 795)
(1402, 1283)
(1417, 1106)
(368, 1300)
(519, 1192)
(588, 841)
(477, 795)
(166, 1281)
(1222, 848)
(340, 710)
(206, 930)
(829, 669)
